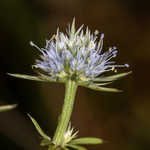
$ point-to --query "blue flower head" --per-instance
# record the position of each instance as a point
(76, 55)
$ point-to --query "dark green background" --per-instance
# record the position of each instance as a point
(122, 120)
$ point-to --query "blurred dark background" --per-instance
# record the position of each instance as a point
(122, 119)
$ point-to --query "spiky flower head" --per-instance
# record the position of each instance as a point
(79, 56)
(76, 55)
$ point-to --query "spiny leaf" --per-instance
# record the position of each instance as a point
(7, 107)
(87, 140)
(111, 78)
(76, 147)
(38, 128)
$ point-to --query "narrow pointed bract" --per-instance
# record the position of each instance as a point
(38, 128)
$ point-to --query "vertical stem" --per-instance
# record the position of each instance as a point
(70, 92)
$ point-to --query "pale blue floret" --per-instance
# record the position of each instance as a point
(76, 54)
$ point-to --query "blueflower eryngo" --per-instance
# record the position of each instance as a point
(76, 59)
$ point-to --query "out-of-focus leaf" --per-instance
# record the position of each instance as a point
(87, 140)
(38, 128)
(7, 107)
(111, 78)
(76, 147)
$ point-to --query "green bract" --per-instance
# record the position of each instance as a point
(95, 84)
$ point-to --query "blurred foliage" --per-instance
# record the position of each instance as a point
(122, 120)
(7, 107)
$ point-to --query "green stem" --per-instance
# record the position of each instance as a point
(70, 92)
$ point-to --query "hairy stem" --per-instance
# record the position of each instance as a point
(70, 92)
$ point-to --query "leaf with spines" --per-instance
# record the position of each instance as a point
(87, 140)
(7, 107)
(38, 128)
(111, 78)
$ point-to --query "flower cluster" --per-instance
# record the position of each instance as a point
(76, 55)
